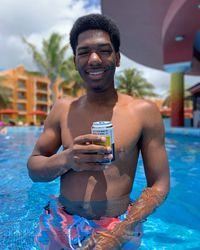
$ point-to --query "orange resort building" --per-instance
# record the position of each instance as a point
(29, 96)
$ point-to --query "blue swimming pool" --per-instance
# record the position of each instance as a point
(176, 224)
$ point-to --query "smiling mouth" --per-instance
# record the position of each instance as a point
(96, 74)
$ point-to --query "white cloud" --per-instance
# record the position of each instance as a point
(35, 20)
(25, 17)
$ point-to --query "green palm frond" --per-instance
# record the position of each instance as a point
(36, 73)
(71, 75)
(51, 59)
(5, 93)
(69, 72)
(132, 83)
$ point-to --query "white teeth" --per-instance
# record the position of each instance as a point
(96, 73)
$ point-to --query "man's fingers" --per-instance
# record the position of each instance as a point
(86, 156)
(90, 149)
(89, 138)
(92, 158)
(89, 243)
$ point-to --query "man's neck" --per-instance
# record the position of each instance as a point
(106, 98)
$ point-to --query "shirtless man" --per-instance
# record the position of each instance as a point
(96, 193)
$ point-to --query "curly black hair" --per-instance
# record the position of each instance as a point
(95, 22)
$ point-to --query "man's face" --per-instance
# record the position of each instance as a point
(96, 59)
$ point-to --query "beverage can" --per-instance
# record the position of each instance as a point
(105, 128)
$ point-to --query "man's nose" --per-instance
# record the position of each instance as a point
(94, 58)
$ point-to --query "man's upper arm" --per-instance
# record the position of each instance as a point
(153, 148)
(50, 139)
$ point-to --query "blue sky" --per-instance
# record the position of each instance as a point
(36, 20)
(92, 2)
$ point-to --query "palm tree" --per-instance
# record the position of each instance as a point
(71, 77)
(4, 97)
(132, 83)
(4, 94)
(50, 61)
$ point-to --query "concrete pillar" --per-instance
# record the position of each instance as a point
(177, 99)
(177, 71)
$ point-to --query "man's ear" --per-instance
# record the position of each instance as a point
(118, 56)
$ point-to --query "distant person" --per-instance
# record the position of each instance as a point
(20, 123)
(11, 123)
(3, 130)
(93, 210)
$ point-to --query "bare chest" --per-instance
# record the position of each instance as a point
(127, 129)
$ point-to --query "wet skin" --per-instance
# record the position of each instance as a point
(137, 127)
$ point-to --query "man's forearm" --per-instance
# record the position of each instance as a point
(149, 200)
(44, 169)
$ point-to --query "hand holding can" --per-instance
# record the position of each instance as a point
(105, 129)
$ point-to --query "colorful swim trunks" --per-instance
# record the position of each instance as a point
(59, 230)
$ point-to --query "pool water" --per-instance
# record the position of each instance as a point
(175, 225)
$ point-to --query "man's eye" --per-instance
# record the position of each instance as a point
(105, 51)
(81, 53)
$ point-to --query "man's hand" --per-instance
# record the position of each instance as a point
(110, 240)
(101, 241)
(88, 153)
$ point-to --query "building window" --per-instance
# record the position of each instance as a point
(21, 95)
(21, 107)
(41, 86)
(42, 107)
(21, 84)
(41, 97)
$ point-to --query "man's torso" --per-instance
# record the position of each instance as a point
(115, 182)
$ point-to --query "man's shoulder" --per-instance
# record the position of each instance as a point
(65, 102)
(60, 110)
(136, 103)
(146, 111)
